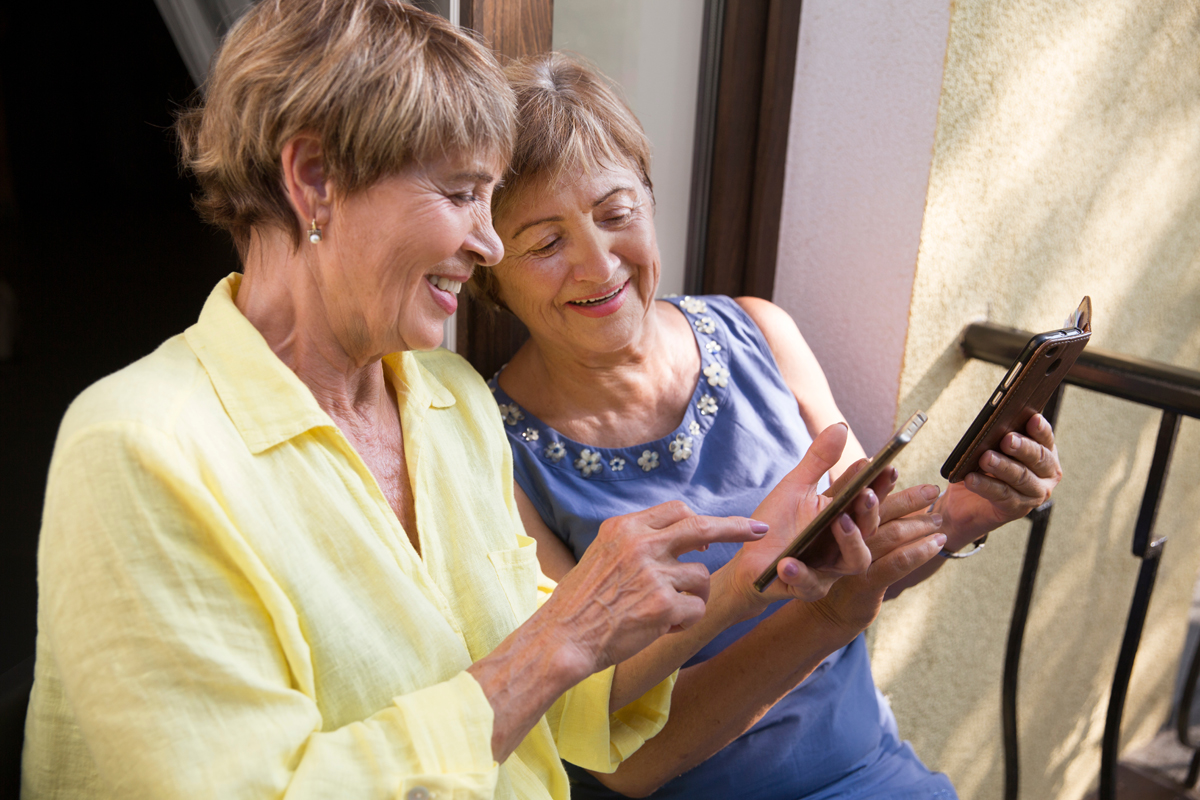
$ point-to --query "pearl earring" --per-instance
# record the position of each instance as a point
(314, 233)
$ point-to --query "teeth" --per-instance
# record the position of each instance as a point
(445, 284)
(597, 300)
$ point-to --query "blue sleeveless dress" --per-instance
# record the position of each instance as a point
(833, 735)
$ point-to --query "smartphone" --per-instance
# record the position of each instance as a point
(816, 544)
(1023, 392)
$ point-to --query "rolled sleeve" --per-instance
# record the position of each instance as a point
(579, 720)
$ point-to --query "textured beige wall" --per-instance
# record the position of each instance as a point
(1066, 162)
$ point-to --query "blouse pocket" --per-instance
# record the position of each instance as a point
(518, 572)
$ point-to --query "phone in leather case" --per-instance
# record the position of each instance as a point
(1023, 392)
(815, 545)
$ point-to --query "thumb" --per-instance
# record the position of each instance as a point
(821, 457)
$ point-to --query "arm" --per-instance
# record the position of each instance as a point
(715, 702)
(712, 704)
(801, 372)
(188, 668)
(1014, 481)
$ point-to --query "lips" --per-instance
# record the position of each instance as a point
(595, 301)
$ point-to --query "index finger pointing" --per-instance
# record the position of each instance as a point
(698, 532)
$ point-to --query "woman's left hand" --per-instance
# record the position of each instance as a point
(1009, 485)
(789, 507)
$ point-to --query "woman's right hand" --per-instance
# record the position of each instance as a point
(630, 587)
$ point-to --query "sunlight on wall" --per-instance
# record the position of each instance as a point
(1067, 162)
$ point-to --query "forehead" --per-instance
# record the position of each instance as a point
(574, 191)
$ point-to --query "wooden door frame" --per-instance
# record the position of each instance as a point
(743, 121)
(512, 28)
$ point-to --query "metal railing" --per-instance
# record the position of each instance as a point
(1174, 391)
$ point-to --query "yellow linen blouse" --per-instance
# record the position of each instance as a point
(229, 608)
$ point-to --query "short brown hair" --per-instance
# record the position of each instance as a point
(569, 118)
(380, 83)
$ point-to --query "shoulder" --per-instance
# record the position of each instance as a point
(773, 321)
(452, 371)
(151, 392)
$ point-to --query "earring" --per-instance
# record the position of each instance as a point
(314, 233)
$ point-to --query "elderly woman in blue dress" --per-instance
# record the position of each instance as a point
(619, 401)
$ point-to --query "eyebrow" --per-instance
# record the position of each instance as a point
(479, 177)
(599, 202)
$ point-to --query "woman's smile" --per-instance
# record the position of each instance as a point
(603, 304)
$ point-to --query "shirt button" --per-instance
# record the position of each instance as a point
(418, 793)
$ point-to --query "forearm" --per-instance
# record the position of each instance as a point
(637, 675)
(525, 675)
(718, 700)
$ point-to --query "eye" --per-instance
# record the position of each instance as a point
(545, 249)
(464, 198)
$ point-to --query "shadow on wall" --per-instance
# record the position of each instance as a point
(1067, 162)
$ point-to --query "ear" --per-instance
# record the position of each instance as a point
(303, 165)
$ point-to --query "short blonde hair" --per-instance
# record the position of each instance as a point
(380, 83)
(569, 119)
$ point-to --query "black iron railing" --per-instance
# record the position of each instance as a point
(1176, 392)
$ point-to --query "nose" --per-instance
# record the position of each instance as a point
(484, 243)
(595, 261)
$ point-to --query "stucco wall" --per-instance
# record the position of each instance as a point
(864, 109)
(1066, 162)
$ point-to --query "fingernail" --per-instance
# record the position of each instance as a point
(791, 569)
(1016, 440)
(989, 460)
(846, 523)
(759, 527)
(844, 425)
(940, 540)
(929, 492)
(871, 499)
(894, 474)
(936, 519)
(972, 480)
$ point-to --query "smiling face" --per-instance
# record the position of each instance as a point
(395, 255)
(581, 263)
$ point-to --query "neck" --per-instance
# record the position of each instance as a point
(592, 396)
(281, 297)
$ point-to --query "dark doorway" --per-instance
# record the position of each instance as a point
(98, 241)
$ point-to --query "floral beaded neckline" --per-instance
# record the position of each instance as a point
(674, 450)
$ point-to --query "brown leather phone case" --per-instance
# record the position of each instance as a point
(1012, 405)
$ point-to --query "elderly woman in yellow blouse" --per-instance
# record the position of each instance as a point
(281, 554)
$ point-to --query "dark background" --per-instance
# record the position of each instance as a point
(98, 239)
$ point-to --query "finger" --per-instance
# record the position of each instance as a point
(821, 456)
(993, 490)
(911, 500)
(1040, 430)
(1020, 477)
(662, 515)
(697, 532)
(856, 556)
(866, 513)
(903, 560)
(902, 532)
(797, 580)
(1039, 458)
(691, 579)
(847, 476)
(883, 485)
(688, 611)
